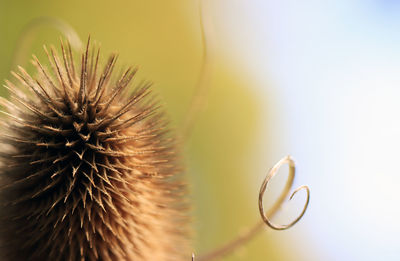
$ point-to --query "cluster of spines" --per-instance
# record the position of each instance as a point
(88, 171)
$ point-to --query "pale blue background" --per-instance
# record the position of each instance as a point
(331, 70)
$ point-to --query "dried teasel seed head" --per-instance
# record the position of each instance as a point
(88, 169)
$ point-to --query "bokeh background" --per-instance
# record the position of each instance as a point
(319, 80)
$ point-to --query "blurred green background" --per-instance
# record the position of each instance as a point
(163, 39)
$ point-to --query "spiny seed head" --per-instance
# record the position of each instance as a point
(87, 171)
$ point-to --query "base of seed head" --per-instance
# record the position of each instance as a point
(88, 168)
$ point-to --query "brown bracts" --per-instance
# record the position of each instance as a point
(88, 169)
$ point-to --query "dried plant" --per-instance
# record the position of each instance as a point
(88, 170)
(242, 239)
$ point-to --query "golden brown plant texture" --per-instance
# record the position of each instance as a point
(88, 170)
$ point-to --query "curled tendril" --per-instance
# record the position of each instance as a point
(245, 237)
(26, 37)
(286, 160)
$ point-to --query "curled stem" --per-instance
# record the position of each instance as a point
(202, 83)
(28, 33)
(283, 195)
(247, 236)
